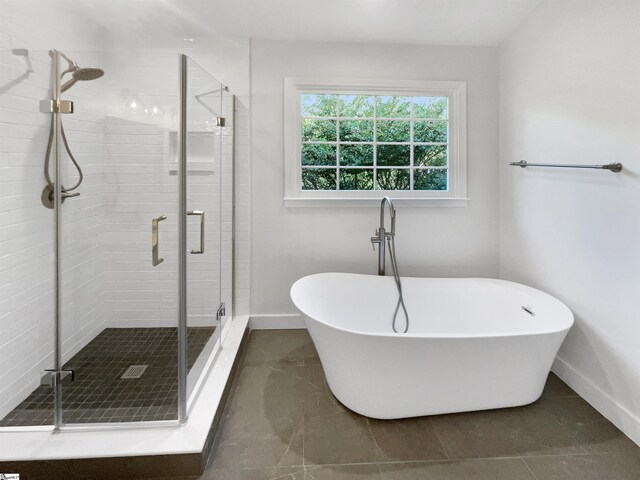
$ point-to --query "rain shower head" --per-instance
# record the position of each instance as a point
(88, 73)
(78, 74)
(81, 75)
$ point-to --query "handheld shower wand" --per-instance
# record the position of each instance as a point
(77, 74)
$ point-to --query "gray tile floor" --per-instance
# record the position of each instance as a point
(282, 422)
(98, 394)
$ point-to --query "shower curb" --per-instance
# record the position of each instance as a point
(172, 466)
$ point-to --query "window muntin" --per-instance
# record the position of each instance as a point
(338, 150)
(374, 142)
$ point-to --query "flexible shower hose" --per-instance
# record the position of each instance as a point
(396, 276)
(48, 154)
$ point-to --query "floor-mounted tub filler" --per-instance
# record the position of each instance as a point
(473, 343)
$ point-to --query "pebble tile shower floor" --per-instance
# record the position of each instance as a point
(282, 422)
(99, 395)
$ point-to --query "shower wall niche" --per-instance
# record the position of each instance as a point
(119, 325)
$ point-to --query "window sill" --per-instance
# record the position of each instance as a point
(374, 202)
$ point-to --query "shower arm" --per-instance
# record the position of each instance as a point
(72, 65)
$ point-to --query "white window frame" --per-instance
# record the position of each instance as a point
(456, 92)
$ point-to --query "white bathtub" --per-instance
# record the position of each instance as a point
(470, 345)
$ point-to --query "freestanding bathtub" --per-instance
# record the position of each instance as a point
(472, 344)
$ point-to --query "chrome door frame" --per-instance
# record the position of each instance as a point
(57, 219)
(182, 244)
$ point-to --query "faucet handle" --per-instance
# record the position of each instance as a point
(375, 240)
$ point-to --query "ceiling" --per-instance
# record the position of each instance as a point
(448, 22)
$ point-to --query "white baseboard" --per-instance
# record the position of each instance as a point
(617, 414)
(276, 322)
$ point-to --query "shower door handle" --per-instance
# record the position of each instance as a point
(155, 261)
(201, 214)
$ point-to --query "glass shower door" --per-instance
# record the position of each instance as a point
(119, 242)
(205, 306)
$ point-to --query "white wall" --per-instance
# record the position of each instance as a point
(26, 227)
(288, 243)
(569, 93)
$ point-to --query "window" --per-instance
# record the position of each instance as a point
(357, 140)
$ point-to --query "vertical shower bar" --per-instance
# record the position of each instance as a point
(57, 196)
(182, 246)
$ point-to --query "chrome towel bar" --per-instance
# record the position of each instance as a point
(612, 167)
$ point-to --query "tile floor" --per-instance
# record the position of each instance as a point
(282, 422)
(98, 394)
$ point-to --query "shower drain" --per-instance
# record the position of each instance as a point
(134, 371)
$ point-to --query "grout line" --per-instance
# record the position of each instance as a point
(529, 468)
(572, 434)
(418, 462)
(444, 449)
(375, 440)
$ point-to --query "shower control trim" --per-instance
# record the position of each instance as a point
(155, 260)
(200, 213)
(48, 196)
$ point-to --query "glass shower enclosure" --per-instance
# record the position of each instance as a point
(126, 223)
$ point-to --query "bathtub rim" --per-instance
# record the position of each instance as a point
(567, 322)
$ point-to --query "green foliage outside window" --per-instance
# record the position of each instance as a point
(393, 179)
(356, 130)
(430, 155)
(430, 180)
(360, 106)
(318, 154)
(394, 131)
(374, 142)
(318, 179)
(318, 130)
(360, 155)
(356, 179)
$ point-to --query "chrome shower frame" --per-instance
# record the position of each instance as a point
(57, 203)
(182, 244)
(57, 373)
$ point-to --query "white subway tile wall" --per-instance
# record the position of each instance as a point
(26, 227)
(108, 279)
